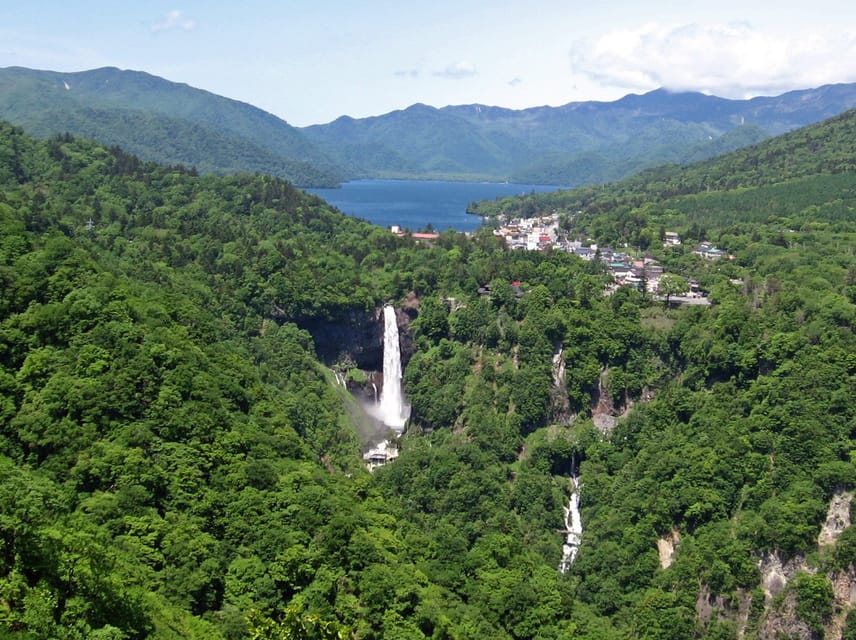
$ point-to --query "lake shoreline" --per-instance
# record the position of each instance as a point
(420, 204)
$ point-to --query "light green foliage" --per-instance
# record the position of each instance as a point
(672, 285)
(294, 625)
(815, 599)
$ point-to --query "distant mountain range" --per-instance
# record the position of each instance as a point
(798, 178)
(162, 121)
(578, 143)
(575, 144)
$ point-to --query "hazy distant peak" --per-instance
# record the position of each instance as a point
(577, 143)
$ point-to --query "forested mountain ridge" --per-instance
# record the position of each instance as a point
(174, 463)
(575, 144)
(162, 121)
(804, 176)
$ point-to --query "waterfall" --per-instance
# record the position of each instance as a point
(560, 406)
(559, 367)
(573, 527)
(392, 409)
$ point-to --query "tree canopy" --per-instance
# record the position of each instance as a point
(175, 462)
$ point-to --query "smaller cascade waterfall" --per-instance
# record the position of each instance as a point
(392, 409)
(573, 527)
(559, 367)
(560, 406)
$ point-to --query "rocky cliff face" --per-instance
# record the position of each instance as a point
(357, 336)
(666, 548)
(778, 617)
(559, 404)
(837, 518)
(605, 412)
(784, 622)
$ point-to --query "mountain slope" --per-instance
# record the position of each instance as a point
(162, 121)
(578, 143)
(175, 462)
(809, 172)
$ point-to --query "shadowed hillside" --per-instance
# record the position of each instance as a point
(162, 121)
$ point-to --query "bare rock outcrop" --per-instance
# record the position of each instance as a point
(780, 618)
(606, 412)
(560, 410)
(776, 574)
(837, 518)
(783, 622)
(357, 335)
(666, 548)
(734, 610)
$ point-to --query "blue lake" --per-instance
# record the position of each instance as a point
(414, 204)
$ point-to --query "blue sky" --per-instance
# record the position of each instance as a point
(311, 61)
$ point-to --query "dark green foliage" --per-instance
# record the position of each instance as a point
(433, 322)
(189, 450)
(845, 549)
(849, 627)
(743, 450)
(661, 615)
(173, 457)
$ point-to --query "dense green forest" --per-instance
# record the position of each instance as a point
(176, 463)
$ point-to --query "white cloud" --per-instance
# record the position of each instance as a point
(458, 71)
(174, 20)
(515, 82)
(730, 60)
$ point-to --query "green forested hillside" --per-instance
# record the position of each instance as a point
(175, 464)
(805, 176)
(575, 144)
(162, 121)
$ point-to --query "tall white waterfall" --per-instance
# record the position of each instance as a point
(573, 527)
(392, 409)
